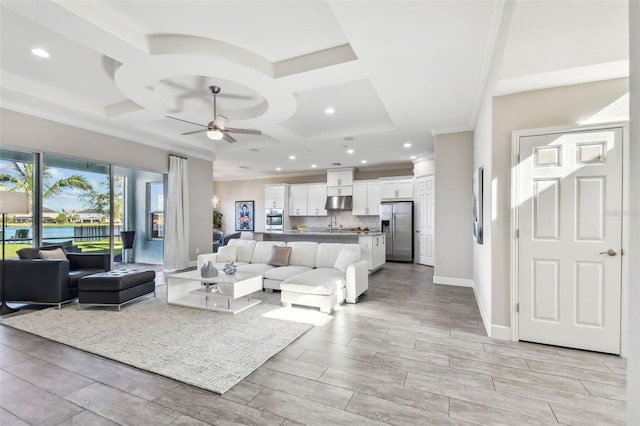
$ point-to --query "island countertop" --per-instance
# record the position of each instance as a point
(318, 236)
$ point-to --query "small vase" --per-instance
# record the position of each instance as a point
(230, 269)
(208, 271)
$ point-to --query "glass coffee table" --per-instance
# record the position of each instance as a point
(224, 293)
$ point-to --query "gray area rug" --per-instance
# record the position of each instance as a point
(210, 350)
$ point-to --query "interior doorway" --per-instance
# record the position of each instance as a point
(568, 205)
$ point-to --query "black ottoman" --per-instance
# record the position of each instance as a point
(115, 288)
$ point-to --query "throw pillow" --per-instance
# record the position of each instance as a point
(57, 253)
(345, 258)
(226, 254)
(279, 256)
(28, 253)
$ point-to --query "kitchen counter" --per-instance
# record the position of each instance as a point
(318, 236)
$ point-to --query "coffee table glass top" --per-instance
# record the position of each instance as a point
(221, 278)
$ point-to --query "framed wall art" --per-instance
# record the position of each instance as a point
(477, 205)
(244, 217)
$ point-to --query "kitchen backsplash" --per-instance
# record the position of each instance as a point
(344, 218)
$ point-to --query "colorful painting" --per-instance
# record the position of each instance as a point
(244, 215)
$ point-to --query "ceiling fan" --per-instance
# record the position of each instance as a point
(216, 129)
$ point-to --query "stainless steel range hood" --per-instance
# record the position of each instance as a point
(339, 202)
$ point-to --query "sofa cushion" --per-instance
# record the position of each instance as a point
(244, 249)
(227, 254)
(328, 253)
(255, 268)
(56, 253)
(279, 256)
(345, 258)
(303, 253)
(324, 281)
(283, 272)
(28, 253)
(262, 250)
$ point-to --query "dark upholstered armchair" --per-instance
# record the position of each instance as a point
(49, 281)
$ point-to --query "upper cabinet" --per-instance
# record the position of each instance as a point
(275, 196)
(340, 181)
(298, 198)
(397, 189)
(307, 200)
(366, 198)
(340, 177)
(316, 199)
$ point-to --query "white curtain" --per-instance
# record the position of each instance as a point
(176, 240)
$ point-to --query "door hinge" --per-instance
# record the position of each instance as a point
(621, 252)
(517, 158)
(518, 307)
(517, 233)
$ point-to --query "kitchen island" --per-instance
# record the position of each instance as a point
(372, 243)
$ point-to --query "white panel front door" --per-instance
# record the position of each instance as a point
(570, 231)
(425, 220)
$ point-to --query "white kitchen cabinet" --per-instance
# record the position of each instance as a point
(401, 189)
(298, 198)
(339, 190)
(366, 198)
(316, 199)
(275, 196)
(372, 249)
(340, 177)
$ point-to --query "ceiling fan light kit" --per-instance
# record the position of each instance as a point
(215, 134)
(216, 130)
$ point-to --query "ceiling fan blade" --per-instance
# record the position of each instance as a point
(195, 131)
(227, 137)
(186, 121)
(243, 131)
(219, 122)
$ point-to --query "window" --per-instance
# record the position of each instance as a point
(155, 202)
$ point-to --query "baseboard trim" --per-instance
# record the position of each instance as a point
(459, 282)
(500, 332)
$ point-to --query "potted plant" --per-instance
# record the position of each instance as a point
(217, 219)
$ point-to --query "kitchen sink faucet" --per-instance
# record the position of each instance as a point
(333, 221)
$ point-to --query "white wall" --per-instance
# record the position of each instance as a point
(453, 216)
(30, 133)
(633, 366)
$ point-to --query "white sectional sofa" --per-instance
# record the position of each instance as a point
(322, 275)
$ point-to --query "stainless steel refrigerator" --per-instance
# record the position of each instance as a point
(397, 224)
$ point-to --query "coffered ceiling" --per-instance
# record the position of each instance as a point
(392, 71)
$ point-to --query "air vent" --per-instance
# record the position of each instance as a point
(254, 150)
(336, 164)
(244, 167)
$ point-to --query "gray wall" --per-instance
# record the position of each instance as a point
(453, 236)
(30, 133)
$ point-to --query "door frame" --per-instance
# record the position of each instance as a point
(515, 285)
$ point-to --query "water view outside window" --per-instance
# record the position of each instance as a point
(17, 174)
(155, 197)
(76, 204)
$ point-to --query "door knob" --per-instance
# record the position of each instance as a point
(610, 252)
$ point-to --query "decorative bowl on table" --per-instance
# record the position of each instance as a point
(230, 269)
(302, 227)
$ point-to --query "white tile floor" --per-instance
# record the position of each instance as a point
(410, 352)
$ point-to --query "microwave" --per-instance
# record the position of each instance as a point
(274, 220)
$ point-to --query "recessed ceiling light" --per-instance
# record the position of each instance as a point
(278, 168)
(407, 145)
(364, 161)
(413, 157)
(292, 157)
(38, 51)
(329, 110)
(350, 151)
(313, 166)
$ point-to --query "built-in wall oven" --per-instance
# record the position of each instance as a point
(274, 220)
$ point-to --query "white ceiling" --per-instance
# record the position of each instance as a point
(394, 72)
